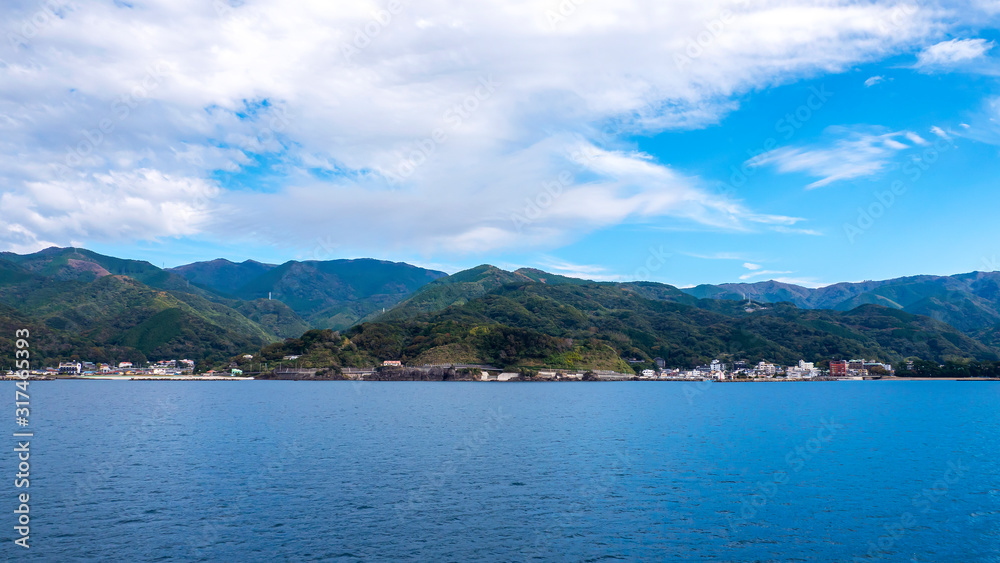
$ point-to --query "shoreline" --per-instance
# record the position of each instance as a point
(636, 380)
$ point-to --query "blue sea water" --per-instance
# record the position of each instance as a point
(659, 471)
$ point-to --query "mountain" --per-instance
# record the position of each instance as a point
(326, 294)
(221, 275)
(102, 309)
(460, 287)
(506, 319)
(969, 302)
(77, 264)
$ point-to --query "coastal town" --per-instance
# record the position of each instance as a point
(715, 370)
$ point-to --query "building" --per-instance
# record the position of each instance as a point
(716, 365)
(838, 368)
(390, 363)
(660, 363)
(648, 373)
(125, 365)
(765, 369)
(70, 368)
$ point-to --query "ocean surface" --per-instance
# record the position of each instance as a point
(657, 471)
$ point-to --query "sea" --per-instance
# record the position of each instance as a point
(418, 471)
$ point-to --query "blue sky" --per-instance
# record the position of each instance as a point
(592, 140)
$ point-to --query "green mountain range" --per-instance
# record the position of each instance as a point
(332, 294)
(488, 315)
(100, 308)
(969, 302)
(85, 305)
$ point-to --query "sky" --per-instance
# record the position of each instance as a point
(685, 142)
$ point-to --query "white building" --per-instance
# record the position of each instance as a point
(765, 369)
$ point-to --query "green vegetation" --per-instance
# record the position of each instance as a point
(969, 302)
(86, 306)
(332, 294)
(594, 326)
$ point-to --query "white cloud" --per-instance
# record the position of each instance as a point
(940, 132)
(267, 86)
(854, 154)
(873, 81)
(761, 273)
(751, 266)
(105, 207)
(948, 53)
(582, 271)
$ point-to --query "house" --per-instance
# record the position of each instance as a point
(70, 368)
(124, 365)
(390, 363)
(648, 373)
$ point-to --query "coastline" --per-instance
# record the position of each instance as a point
(633, 380)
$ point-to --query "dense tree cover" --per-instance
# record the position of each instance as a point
(923, 368)
(594, 325)
(968, 302)
(326, 294)
(82, 311)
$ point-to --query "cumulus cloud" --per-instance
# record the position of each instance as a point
(106, 207)
(440, 126)
(853, 154)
